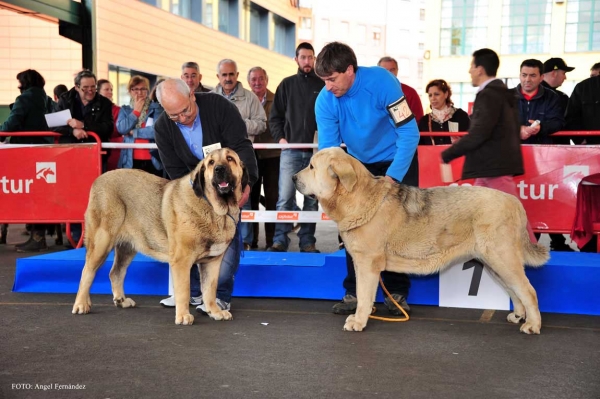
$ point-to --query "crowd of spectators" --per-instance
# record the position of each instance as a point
(286, 116)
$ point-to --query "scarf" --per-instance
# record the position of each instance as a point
(442, 115)
(143, 114)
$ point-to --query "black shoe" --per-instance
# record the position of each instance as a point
(276, 248)
(25, 243)
(310, 248)
(347, 306)
(393, 309)
(3, 233)
(36, 244)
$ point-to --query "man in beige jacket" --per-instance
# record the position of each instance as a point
(252, 113)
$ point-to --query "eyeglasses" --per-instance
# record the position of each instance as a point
(137, 89)
(88, 88)
(185, 113)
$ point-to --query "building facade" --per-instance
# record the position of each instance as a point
(516, 30)
(152, 38)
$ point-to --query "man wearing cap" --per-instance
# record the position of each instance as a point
(554, 75)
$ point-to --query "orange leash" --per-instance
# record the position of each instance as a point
(393, 319)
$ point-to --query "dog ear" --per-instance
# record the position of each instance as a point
(245, 176)
(344, 172)
(199, 182)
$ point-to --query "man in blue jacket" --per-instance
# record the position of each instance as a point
(537, 103)
(365, 108)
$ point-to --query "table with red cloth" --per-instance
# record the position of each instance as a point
(587, 211)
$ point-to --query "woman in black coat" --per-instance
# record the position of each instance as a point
(442, 112)
(27, 115)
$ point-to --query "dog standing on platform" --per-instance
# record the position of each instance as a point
(184, 221)
(394, 227)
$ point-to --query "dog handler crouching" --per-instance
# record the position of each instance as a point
(366, 109)
(191, 126)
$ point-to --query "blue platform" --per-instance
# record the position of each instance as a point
(568, 283)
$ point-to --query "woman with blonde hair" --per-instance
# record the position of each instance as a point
(136, 124)
(442, 112)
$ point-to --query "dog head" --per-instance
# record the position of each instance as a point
(331, 172)
(221, 177)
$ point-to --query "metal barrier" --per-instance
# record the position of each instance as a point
(548, 189)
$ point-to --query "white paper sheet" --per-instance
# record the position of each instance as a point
(59, 118)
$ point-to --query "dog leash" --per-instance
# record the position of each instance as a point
(392, 319)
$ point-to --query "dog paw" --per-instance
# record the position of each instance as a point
(515, 318)
(186, 320)
(531, 328)
(81, 308)
(352, 324)
(124, 302)
(221, 315)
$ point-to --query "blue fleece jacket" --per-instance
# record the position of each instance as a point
(361, 120)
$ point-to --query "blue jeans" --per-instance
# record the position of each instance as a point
(292, 162)
(229, 266)
(247, 229)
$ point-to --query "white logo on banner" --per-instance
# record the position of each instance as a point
(469, 285)
(46, 171)
(572, 174)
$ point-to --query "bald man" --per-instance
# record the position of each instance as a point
(191, 122)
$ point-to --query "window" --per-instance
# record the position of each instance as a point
(526, 26)
(190, 9)
(285, 36)
(403, 67)
(463, 94)
(229, 17)
(324, 28)
(342, 30)
(119, 77)
(463, 26)
(376, 36)
(259, 26)
(583, 25)
(361, 34)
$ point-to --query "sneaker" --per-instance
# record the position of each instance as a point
(220, 303)
(277, 247)
(310, 248)
(393, 309)
(347, 306)
(35, 244)
(170, 301)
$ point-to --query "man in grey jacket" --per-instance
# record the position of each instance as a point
(252, 113)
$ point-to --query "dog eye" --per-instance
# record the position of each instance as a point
(229, 158)
(211, 162)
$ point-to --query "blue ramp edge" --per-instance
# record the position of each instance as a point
(566, 284)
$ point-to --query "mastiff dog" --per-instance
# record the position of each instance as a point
(184, 221)
(394, 227)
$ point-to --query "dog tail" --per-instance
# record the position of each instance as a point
(535, 254)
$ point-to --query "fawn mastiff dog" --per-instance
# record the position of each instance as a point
(388, 226)
(184, 221)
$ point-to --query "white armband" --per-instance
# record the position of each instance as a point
(400, 112)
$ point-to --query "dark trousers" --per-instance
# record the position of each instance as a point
(396, 283)
(268, 176)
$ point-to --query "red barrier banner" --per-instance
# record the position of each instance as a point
(548, 189)
(49, 183)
